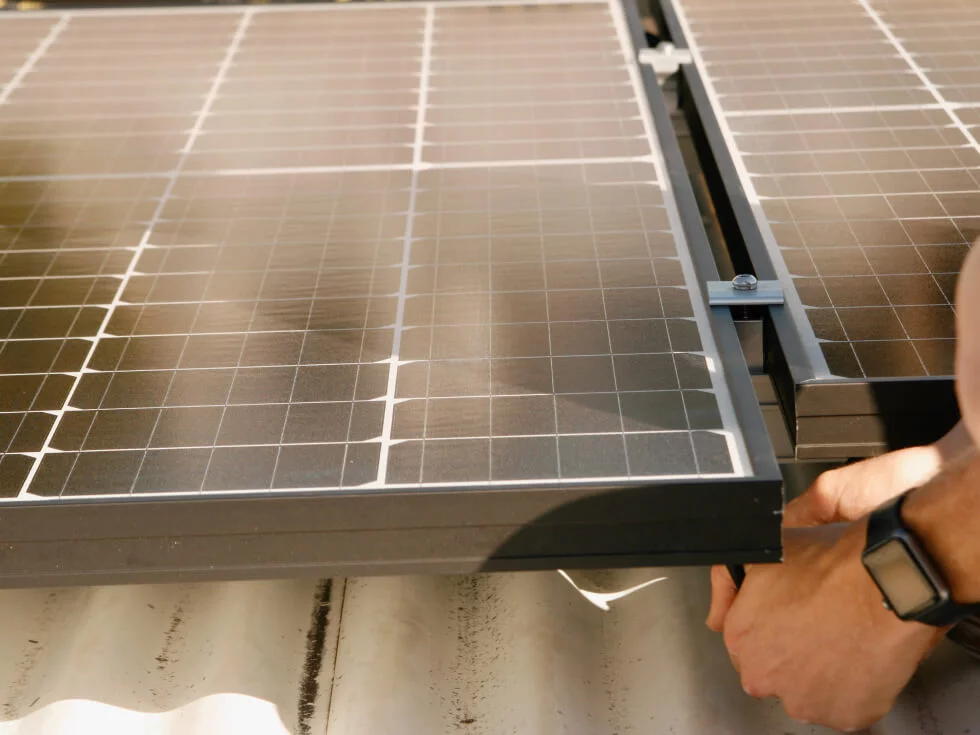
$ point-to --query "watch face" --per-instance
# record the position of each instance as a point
(905, 587)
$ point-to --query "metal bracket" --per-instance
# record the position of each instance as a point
(745, 290)
(665, 59)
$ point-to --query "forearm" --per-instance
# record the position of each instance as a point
(945, 515)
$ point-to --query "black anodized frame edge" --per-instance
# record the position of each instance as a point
(378, 510)
(895, 413)
(327, 534)
(667, 15)
(733, 363)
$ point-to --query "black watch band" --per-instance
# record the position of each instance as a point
(886, 525)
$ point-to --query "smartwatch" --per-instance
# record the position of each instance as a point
(910, 581)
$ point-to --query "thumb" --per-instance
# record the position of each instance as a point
(817, 506)
(806, 510)
(723, 593)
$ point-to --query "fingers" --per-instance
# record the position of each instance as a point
(722, 596)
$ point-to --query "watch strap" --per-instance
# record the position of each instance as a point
(886, 523)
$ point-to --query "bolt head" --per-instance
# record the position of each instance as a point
(745, 282)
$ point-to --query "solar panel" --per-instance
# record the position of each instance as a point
(308, 251)
(849, 132)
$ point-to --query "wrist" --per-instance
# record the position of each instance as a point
(852, 545)
(934, 517)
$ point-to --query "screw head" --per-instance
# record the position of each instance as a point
(745, 282)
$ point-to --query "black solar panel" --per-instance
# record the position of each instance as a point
(867, 178)
(849, 130)
(264, 250)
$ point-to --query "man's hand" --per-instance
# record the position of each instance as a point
(841, 495)
(851, 492)
(813, 632)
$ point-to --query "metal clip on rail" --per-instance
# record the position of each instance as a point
(745, 291)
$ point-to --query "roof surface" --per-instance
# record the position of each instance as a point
(510, 653)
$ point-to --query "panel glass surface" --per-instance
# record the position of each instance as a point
(252, 250)
(854, 126)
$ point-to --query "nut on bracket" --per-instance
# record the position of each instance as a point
(745, 290)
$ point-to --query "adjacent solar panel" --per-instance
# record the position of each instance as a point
(845, 165)
(278, 251)
(849, 126)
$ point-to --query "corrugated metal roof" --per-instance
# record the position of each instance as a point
(510, 653)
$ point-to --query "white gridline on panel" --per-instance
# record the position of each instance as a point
(461, 396)
(807, 60)
(335, 269)
(289, 366)
(832, 90)
(807, 75)
(836, 45)
(851, 149)
(82, 83)
(324, 7)
(354, 168)
(850, 172)
(348, 441)
(859, 196)
(830, 109)
(223, 68)
(774, 20)
(197, 130)
(397, 146)
(577, 482)
(425, 66)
